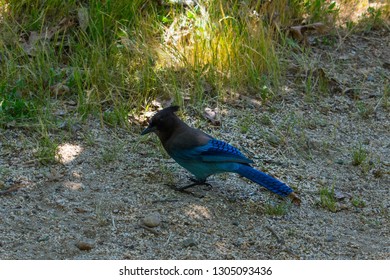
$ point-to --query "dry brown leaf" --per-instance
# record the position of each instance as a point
(30, 44)
(212, 116)
(299, 32)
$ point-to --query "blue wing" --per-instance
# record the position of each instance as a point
(213, 157)
(219, 151)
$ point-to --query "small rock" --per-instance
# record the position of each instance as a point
(329, 238)
(152, 220)
(341, 195)
(274, 140)
(43, 238)
(75, 127)
(190, 242)
(212, 116)
(343, 206)
(85, 246)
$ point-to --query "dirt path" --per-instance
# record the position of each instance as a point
(93, 204)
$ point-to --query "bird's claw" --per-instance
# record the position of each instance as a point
(195, 183)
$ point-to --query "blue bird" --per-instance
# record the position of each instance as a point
(202, 155)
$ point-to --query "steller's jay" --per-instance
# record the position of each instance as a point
(202, 155)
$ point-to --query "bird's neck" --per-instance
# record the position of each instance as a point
(175, 127)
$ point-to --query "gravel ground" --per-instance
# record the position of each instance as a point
(106, 197)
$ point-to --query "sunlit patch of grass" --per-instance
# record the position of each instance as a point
(117, 56)
(364, 14)
(223, 48)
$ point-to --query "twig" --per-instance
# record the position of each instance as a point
(14, 188)
(164, 200)
(168, 239)
(113, 223)
(282, 242)
(155, 232)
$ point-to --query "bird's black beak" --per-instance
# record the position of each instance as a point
(148, 130)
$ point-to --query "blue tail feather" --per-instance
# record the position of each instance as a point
(264, 180)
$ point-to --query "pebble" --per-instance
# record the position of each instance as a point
(329, 238)
(274, 140)
(43, 238)
(152, 220)
(85, 245)
(190, 242)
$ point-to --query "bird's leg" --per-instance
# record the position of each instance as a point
(195, 182)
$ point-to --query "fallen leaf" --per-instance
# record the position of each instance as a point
(30, 44)
(299, 32)
(212, 116)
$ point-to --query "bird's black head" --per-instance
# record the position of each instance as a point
(163, 121)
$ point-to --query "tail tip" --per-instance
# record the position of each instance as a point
(295, 199)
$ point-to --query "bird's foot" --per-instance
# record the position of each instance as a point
(196, 182)
(186, 187)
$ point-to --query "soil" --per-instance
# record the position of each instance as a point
(108, 197)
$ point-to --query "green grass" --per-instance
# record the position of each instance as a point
(358, 202)
(327, 199)
(364, 109)
(279, 209)
(113, 58)
(359, 155)
(110, 153)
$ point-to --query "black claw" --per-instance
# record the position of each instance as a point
(195, 183)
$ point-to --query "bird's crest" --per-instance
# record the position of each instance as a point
(171, 109)
(167, 111)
